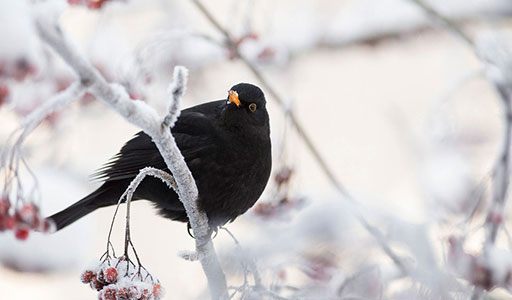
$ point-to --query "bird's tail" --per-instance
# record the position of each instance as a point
(100, 198)
(71, 214)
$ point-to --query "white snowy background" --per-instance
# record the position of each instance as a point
(401, 112)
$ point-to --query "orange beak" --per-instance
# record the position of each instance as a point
(233, 98)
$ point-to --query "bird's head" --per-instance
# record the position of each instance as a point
(246, 105)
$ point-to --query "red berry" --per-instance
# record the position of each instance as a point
(27, 214)
(4, 93)
(122, 293)
(132, 292)
(110, 275)
(96, 284)
(87, 276)
(157, 291)
(21, 234)
(95, 4)
(145, 295)
(5, 204)
(108, 294)
(9, 222)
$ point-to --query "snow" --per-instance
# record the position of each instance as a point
(17, 32)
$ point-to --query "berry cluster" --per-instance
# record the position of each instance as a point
(22, 219)
(91, 4)
(117, 279)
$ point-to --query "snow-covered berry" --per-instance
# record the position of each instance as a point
(96, 284)
(87, 276)
(108, 293)
(110, 275)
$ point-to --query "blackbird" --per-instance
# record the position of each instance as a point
(226, 145)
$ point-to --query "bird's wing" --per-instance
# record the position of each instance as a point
(194, 135)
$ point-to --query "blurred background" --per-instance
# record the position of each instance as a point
(398, 107)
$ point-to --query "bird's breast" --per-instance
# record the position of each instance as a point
(238, 174)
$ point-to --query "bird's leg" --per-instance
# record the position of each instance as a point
(214, 231)
(189, 230)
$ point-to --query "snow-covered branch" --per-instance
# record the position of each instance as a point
(140, 114)
(176, 90)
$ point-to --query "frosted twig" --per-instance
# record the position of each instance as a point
(249, 266)
(176, 91)
(140, 114)
(128, 195)
(451, 25)
(57, 102)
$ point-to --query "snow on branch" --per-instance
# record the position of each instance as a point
(176, 90)
(144, 116)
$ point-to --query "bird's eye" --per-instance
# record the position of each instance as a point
(252, 107)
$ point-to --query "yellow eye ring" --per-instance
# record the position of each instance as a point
(252, 107)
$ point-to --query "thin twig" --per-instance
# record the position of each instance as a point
(448, 23)
(176, 91)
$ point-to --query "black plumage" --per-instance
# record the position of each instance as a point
(226, 145)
